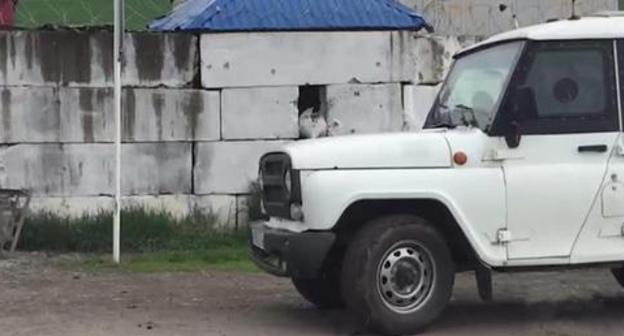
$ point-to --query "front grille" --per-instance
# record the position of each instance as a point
(275, 196)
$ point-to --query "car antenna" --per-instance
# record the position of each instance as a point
(574, 16)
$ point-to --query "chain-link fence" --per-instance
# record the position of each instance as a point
(36, 13)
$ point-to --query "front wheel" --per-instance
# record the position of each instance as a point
(398, 275)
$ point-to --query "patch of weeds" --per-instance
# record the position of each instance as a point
(151, 241)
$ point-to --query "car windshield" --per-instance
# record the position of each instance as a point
(474, 88)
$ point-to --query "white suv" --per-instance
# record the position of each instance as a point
(520, 167)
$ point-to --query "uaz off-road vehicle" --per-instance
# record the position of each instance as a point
(520, 166)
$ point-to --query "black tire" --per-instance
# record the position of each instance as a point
(363, 274)
(618, 273)
(323, 292)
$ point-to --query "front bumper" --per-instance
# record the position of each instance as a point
(290, 254)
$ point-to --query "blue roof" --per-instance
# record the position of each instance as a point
(290, 15)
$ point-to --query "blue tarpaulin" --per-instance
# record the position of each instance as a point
(290, 15)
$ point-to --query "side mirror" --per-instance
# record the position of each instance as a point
(523, 108)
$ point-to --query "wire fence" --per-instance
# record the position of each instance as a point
(36, 13)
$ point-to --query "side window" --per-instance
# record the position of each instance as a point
(570, 87)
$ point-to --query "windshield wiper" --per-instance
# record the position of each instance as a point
(442, 124)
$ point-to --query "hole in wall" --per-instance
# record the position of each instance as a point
(312, 106)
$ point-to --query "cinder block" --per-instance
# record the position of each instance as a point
(71, 115)
(29, 115)
(260, 113)
(60, 170)
(88, 169)
(85, 58)
(364, 108)
(157, 168)
(418, 100)
(87, 115)
(171, 115)
(46, 57)
(161, 59)
(294, 58)
(229, 167)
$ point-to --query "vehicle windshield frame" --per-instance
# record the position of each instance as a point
(432, 122)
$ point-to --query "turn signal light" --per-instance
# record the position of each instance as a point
(460, 158)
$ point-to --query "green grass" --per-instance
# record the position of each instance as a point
(227, 259)
(36, 13)
(151, 241)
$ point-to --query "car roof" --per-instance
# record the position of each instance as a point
(604, 25)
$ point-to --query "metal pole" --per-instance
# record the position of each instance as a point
(117, 50)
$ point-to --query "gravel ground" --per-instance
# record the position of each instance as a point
(39, 298)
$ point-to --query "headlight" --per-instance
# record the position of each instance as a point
(288, 181)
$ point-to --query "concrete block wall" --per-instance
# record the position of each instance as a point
(199, 110)
(487, 17)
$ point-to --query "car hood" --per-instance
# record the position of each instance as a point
(380, 151)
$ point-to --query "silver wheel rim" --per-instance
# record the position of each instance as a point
(405, 277)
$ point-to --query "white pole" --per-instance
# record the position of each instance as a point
(117, 50)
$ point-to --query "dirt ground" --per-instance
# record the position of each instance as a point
(39, 298)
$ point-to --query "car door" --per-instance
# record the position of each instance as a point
(555, 174)
(602, 238)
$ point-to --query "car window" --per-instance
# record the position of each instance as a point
(569, 83)
(571, 87)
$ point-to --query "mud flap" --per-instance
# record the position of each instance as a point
(484, 283)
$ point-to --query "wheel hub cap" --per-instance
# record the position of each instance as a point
(405, 277)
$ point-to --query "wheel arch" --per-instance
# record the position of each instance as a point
(359, 212)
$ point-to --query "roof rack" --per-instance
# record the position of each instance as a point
(608, 14)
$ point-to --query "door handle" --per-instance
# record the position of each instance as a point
(593, 149)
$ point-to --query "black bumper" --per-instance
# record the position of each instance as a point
(289, 254)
